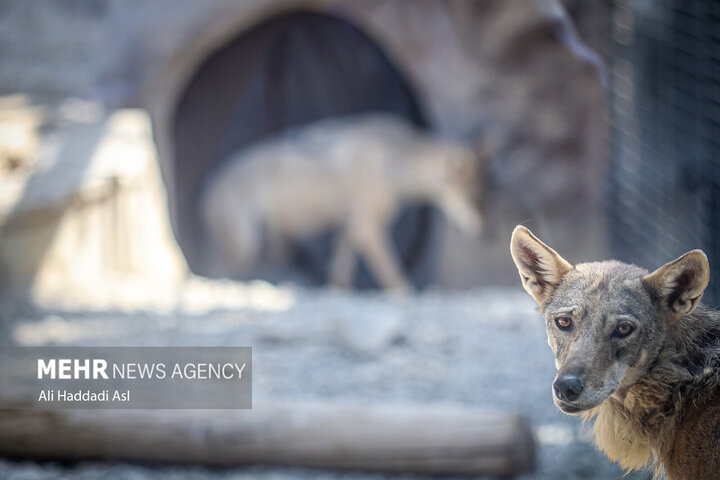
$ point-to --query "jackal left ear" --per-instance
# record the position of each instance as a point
(679, 285)
(540, 267)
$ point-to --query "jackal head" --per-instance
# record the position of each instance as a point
(606, 321)
(451, 174)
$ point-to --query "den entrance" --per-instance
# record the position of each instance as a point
(288, 71)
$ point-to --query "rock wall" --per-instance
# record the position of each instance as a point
(480, 67)
(491, 72)
(91, 217)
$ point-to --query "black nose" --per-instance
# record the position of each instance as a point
(568, 387)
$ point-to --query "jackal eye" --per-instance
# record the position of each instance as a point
(623, 330)
(563, 323)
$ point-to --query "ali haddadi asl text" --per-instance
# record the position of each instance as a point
(103, 396)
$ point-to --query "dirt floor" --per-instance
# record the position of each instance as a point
(483, 348)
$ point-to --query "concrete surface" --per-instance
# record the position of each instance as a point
(485, 348)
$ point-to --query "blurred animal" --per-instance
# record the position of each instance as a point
(353, 173)
(636, 351)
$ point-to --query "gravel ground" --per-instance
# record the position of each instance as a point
(484, 348)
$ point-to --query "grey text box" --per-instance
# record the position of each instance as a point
(125, 377)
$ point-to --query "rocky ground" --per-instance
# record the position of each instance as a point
(483, 348)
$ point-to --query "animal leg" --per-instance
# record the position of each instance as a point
(342, 265)
(372, 241)
(241, 241)
(278, 247)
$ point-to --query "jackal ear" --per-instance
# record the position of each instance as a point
(540, 267)
(679, 285)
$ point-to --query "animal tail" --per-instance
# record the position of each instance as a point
(234, 232)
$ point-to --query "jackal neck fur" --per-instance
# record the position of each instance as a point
(636, 427)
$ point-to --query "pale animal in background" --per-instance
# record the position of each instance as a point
(352, 173)
(636, 352)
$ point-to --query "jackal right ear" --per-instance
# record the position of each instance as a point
(540, 267)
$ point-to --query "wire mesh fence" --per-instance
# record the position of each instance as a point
(665, 184)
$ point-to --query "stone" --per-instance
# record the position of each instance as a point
(371, 332)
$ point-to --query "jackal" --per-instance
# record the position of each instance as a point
(636, 352)
(352, 173)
